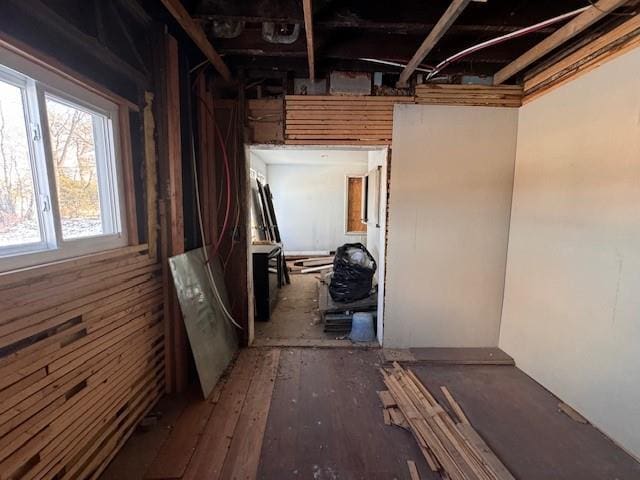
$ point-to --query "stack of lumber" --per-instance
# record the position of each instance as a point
(450, 447)
(81, 361)
(265, 120)
(335, 120)
(312, 265)
(475, 95)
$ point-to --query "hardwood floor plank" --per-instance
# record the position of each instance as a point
(325, 421)
(210, 454)
(244, 452)
(176, 452)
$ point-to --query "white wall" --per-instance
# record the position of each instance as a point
(451, 186)
(310, 204)
(571, 314)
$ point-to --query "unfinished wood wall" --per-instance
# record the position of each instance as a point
(340, 120)
(470, 95)
(265, 118)
(368, 120)
(81, 361)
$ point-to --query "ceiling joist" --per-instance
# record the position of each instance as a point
(308, 28)
(447, 19)
(198, 36)
(560, 36)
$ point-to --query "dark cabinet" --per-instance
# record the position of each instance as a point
(267, 265)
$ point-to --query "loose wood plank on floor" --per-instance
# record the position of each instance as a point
(413, 471)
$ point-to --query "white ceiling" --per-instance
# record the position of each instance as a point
(325, 156)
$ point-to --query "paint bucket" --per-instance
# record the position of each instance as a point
(362, 327)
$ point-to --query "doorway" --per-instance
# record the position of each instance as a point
(306, 202)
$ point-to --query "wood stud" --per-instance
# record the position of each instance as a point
(617, 41)
(572, 28)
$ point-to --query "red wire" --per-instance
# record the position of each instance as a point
(227, 174)
(235, 169)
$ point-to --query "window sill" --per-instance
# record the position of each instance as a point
(67, 250)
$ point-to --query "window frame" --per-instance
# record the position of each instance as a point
(348, 232)
(42, 82)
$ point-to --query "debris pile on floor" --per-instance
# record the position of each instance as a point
(450, 447)
(309, 264)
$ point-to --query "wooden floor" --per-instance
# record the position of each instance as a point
(306, 413)
(295, 321)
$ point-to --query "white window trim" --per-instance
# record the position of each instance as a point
(44, 81)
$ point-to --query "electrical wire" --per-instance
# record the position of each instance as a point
(235, 169)
(226, 140)
(394, 64)
(207, 260)
(228, 177)
(223, 143)
(509, 36)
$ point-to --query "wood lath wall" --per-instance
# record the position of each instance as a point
(340, 120)
(368, 120)
(81, 361)
(472, 95)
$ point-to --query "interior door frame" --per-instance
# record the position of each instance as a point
(384, 207)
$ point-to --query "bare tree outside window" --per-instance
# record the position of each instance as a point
(18, 213)
(59, 168)
(74, 157)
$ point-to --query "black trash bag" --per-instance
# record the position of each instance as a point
(353, 269)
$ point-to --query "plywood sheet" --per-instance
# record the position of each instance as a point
(354, 205)
(212, 337)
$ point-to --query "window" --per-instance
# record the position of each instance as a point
(354, 205)
(60, 192)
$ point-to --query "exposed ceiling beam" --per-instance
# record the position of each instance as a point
(454, 10)
(560, 36)
(408, 28)
(308, 28)
(198, 36)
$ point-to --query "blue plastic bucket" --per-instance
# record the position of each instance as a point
(362, 327)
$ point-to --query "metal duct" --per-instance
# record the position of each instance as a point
(226, 28)
(282, 33)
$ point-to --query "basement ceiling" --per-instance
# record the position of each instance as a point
(347, 31)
